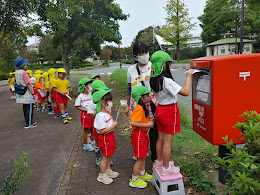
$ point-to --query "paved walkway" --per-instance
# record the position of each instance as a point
(82, 171)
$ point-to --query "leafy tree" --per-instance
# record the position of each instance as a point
(48, 50)
(30, 55)
(178, 24)
(127, 53)
(70, 20)
(217, 19)
(106, 53)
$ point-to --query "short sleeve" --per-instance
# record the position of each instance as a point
(78, 100)
(37, 86)
(91, 108)
(54, 83)
(137, 114)
(129, 75)
(26, 78)
(171, 86)
(100, 122)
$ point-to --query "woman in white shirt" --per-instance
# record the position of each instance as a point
(167, 112)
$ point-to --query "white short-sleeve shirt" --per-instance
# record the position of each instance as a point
(92, 108)
(83, 100)
(103, 120)
(168, 95)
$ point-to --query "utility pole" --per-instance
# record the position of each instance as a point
(119, 50)
(242, 27)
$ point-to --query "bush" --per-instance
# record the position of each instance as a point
(120, 80)
(3, 76)
(14, 179)
(243, 163)
(129, 61)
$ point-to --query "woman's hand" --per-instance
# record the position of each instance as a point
(127, 111)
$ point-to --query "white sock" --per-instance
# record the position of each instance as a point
(89, 138)
(142, 172)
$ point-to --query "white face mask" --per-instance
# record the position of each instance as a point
(143, 59)
(110, 105)
(89, 89)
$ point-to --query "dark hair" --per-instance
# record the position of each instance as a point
(141, 103)
(98, 76)
(86, 84)
(157, 82)
(107, 97)
(139, 48)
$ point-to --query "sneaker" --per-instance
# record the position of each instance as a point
(137, 183)
(146, 177)
(98, 161)
(12, 97)
(104, 179)
(51, 112)
(26, 126)
(112, 174)
(37, 111)
(88, 147)
(69, 118)
(65, 121)
(57, 116)
(160, 165)
(33, 125)
(44, 110)
(172, 170)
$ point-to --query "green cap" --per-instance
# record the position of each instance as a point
(81, 84)
(157, 60)
(138, 91)
(94, 75)
(97, 98)
(98, 85)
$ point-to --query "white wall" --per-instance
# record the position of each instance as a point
(228, 49)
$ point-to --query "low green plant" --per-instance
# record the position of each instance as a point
(129, 61)
(3, 75)
(243, 163)
(13, 180)
(119, 77)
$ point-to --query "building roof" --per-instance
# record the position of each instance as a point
(33, 45)
(228, 41)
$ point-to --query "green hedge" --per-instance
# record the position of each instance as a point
(3, 76)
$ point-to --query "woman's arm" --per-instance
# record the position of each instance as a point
(128, 95)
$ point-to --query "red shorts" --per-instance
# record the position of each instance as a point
(140, 142)
(11, 90)
(85, 119)
(95, 134)
(168, 118)
(54, 96)
(107, 144)
(40, 98)
(61, 99)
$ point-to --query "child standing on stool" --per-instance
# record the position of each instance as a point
(140, 140)
(81, 104)
(96, 85)
(104, 125)
(61, 86)
(167, 112)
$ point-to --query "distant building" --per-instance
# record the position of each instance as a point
(228, 45)
(33, 47)
(195, 41)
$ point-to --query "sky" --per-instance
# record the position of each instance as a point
(145, 13)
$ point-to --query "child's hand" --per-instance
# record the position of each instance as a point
(115, 123)
(189, 72)
(150, 124)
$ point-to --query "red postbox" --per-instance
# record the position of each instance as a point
(225, 88)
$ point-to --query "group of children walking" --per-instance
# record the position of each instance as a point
(51, 90)
(95, 104)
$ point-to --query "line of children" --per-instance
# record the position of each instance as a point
(62, 86)
(104, 125)
(11, 81)
(81, 103)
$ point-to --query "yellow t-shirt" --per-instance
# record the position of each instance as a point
(61, 85)
(11, 82)
(138, 115)
(47, 85)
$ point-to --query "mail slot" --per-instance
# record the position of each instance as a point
(223, 88)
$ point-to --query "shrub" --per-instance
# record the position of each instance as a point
(3, 76)
(129, 61)
(14, 179)
(120, 79)
(243, 163)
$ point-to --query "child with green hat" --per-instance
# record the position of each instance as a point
(95, 77)
(167, 112)
(96, 86)
(81, 104)
(104, 125)
(140, 140)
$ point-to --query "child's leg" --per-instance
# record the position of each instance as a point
(13, 93)
(159, 147)
(104, 164)
(85, 135)
(166, 150)
(55, 108)
(109, 163)
(137, 167)
(38, 104)
(44, 103)
(65, 108)
(62, 108)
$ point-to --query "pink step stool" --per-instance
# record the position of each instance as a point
(165, 185)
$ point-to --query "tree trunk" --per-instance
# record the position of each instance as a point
(65, 59)
(178, 51)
